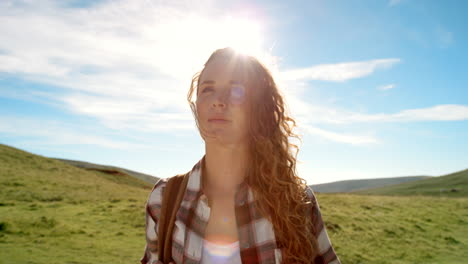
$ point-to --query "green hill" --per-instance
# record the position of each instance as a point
(355, 185)
(451, 185)
(111, 170)
(29, 177)
(52, 212)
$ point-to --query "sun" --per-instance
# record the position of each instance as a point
(245, 36)
(193, 38)
(242, 34)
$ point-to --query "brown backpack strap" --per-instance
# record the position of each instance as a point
(175, 189)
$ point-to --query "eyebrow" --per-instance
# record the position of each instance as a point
(213, 82)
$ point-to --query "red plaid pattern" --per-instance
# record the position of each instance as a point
(256, 235)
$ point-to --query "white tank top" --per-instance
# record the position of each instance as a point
(220, 254)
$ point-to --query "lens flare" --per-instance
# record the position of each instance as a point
(220, 253)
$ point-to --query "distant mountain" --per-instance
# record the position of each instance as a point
(452, 185)
(110, 170)
(355, 185)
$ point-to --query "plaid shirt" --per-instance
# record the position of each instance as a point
(256, 235)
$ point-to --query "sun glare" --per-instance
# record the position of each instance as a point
(193, 38)
(243, 35)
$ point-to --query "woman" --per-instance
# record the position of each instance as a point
(244, 202)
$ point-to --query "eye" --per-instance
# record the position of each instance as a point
(207, 89)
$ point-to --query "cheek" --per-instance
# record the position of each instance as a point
(201, 109)
(200, 103)
(242, 116)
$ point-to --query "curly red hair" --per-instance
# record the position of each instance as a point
(280, 193)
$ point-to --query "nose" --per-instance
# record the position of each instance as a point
(221, 99)
(219, 104)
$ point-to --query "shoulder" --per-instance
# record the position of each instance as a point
(311, 195)
(155, 198)
(156, 194)
(313, 211)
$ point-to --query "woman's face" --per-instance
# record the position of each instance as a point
(222, 104)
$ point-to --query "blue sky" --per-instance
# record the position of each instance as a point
(379, 88)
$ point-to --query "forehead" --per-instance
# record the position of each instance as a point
(222, 71)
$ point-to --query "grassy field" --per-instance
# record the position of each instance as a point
(52, 212)
(383, 229)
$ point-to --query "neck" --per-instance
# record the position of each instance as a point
(225, 168)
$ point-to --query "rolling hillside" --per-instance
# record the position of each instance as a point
(452, 185)
(52, 212)
(355, 185)
(111, 170)
(29, 177)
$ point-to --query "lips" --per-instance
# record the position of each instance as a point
(218, 120)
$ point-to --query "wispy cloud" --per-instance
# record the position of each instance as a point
(129, 64)
(447, 112)
(444, 37)
(347, 138)
(394, 2)
(128, 69)
(52, 132)
(123, 62)
(310, 116)
(339, 72)
(386, 87)
(314, 113)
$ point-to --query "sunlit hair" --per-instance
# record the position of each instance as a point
(280, 192)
